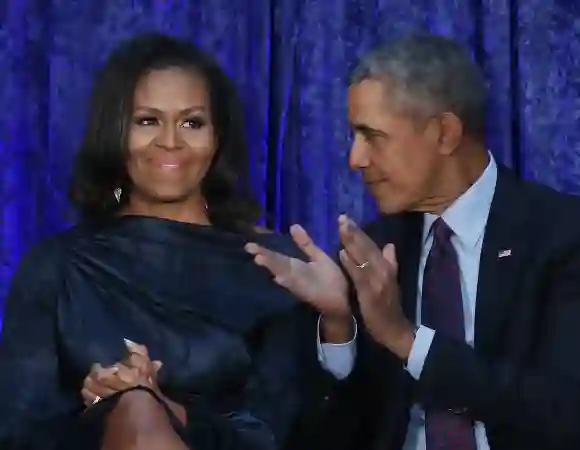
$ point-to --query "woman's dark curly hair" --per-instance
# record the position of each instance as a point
(100, 165)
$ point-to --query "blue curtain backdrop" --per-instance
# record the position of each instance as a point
(290, 59)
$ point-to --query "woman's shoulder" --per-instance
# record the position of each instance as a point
(53, 246)
(279, 242)
(38, 274)
(44, 259)
(262, 230)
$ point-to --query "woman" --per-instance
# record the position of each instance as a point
(153, 289)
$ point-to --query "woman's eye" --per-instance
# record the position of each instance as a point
(146, 121)
(194, 123)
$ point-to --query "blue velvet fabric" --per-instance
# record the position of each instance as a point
(291, 60)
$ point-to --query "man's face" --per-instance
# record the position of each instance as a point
(399, 159)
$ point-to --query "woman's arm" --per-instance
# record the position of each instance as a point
(36, 402)
(272, 396)
(266, 408)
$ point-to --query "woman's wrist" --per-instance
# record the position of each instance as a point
(175, 407)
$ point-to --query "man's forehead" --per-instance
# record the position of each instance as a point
(366, 111)
(371, 105)
(371, 95)
(366, 90)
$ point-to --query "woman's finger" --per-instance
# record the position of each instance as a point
(98, 388)
(89, 397)
(110, 379)
(99, 373)
(98, 369)
(137, 361)
(131, 376)
(133, 347)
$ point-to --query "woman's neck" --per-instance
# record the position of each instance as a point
(189, 212)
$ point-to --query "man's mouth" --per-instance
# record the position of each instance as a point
(375, 181)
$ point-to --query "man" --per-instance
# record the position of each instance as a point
(466, 290)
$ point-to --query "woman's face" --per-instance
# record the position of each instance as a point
(171, 138)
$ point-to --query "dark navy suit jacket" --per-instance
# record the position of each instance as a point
(522, 379)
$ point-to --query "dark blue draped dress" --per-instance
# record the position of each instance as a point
(228, 336)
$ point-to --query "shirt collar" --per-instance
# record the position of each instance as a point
(467, 216)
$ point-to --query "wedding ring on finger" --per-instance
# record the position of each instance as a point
(97, 399)
(363, 265)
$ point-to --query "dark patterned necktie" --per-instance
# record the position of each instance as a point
(442, 310)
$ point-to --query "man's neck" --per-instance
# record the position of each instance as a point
(463, 170)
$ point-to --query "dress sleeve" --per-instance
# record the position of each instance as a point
(272, 396)
(36, 404)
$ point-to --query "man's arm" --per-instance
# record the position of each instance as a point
(419, 351)
(536, 400)
(327, 421)
(336, 345)
(347, 392)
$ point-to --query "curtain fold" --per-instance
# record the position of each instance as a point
(290, 59)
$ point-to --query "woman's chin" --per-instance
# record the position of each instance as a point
(173, 195)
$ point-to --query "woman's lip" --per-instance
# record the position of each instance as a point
(167, 166)
(170, 162)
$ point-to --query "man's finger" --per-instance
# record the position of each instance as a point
(356, 273)
(390, 255)
(306, 244)
(352, 232)
(275, 262)
(361, 249)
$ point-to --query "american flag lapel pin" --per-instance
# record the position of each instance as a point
(504, 253)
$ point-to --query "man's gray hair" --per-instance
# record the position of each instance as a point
(429, 75)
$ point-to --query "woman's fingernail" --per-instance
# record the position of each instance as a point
(129, 342)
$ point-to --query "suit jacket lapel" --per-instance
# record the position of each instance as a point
(408, 254)
(502, 255)
(405, 231)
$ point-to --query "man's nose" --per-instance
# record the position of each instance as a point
(358, 157)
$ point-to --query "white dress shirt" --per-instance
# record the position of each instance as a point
(467, 217)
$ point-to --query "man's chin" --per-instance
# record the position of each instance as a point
(392, 207)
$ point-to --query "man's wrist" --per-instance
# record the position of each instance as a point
(401, 342)
(337, 329)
